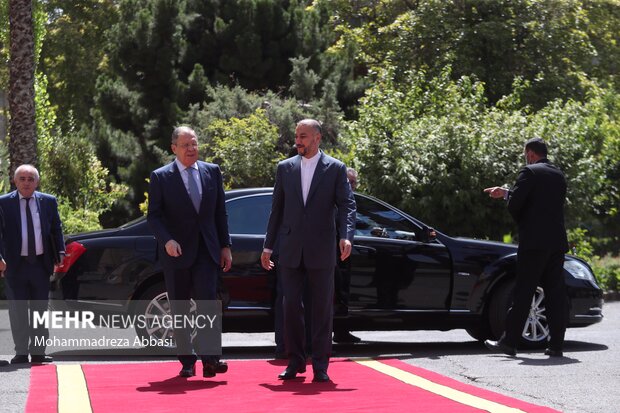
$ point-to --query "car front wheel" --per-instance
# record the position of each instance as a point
(536, 329)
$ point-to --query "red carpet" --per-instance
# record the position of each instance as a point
(252, 386)
(43, 392)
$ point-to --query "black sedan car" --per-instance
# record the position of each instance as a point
(404, 275)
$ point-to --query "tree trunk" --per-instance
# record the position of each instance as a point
(22, 123)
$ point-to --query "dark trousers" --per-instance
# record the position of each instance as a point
(27, 292)
(534, 268)
(200, 283)
(320, 286)
(278, 315)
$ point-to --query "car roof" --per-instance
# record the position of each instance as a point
(237, 193)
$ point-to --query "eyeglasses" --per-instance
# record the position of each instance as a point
(187, 145)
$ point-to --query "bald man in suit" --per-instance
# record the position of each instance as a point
(31, 241)
(311, 194)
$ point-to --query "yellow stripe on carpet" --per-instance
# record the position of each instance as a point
(72, 390)
(441, 390)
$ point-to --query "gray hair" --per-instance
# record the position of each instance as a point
(181, 129)
(26, 168)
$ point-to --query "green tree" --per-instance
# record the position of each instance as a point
(163, 55)
(70, 170)
(558, 45)
(225, 103)
(72, 56)
(245, 149)
(137, 102)
(431, 146)
(303, 80)
(22, 123)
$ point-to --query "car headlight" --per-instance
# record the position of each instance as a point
(579, 270)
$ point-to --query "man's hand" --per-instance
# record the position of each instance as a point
(226, 259)
(173, 248)
(265, 260)
(496, 192)
(2, 268)
(345, 249)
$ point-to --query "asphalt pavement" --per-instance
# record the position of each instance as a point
(584, 381)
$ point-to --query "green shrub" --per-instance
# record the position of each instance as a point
(431, 145)
(607, 272)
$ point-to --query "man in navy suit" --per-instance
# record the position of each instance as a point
(311, 194)
(31, 241)
(187, 214)
(536, 203)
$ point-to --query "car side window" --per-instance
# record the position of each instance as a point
(376, 220)
(249, 215)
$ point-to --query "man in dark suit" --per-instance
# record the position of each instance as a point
(342, 281)
(536, 202)
(310, 189)
(31, 241)
(187, 214)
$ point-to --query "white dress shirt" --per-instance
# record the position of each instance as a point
(308, 166)
(185, 176)
(36, 223)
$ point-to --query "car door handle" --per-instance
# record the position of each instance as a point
(364, 250)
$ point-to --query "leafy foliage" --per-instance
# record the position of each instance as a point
(430, 146)
(77, 178)
(163, 54)
(557, 45)
(225, 103)
(245, 149)
(72, 56)
(430, 100)
(607, 272)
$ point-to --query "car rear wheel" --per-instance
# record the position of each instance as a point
(536, 328)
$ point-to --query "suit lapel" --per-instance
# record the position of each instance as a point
(296, 173)
(42, 212)
(204, 179)
(17, 213)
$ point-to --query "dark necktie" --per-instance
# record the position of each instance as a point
(193, 189)
(32, 249)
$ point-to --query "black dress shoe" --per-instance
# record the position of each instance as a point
(19, 359)
(41, 359)
(553, 353)
(291, 372)
(501, 347)
(320, 377)
(208, 370)
(221, 367)
(188, 371)
(345, 337)
(3, 363)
